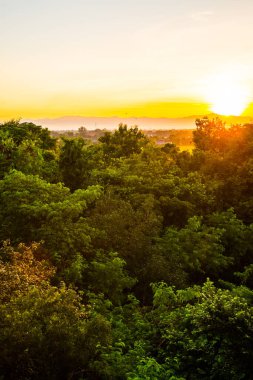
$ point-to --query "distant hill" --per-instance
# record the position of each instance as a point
(91, 123)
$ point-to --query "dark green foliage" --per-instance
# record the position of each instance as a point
(32, 209)
(50, 335)
(124, 229)
(197, 247)
(29, 148)
(123, 142)
(79, 259)
(73, 163)
(44, 329)
(106, 274)
(204, 332)
(28, 131)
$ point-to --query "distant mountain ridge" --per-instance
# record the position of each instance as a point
(91, 123)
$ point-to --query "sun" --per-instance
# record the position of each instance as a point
(229, 100)
(227, 96)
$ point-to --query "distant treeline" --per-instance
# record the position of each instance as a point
(180, 137)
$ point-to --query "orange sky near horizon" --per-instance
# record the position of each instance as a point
(141, 58)
(152, 110)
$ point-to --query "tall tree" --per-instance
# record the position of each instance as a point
(123, 142)
(209, 134)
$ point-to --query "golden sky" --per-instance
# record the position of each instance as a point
(160, 58)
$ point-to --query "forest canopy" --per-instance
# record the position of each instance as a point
(125, 259)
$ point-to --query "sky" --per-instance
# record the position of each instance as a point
(153, 58)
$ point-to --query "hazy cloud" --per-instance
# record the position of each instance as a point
(201, 15)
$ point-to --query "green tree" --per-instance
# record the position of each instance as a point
(106, 274)
(125, 230)
(28, 131)
(33, 210)
(28, 148)
(76, 162)
(209, 134)
(47, 333)
(204, 332)
(123, 142)
(197, 247)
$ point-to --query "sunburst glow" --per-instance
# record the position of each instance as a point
(227, 96)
